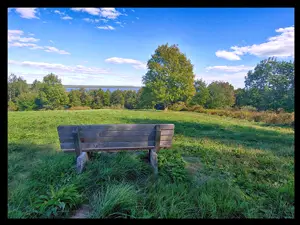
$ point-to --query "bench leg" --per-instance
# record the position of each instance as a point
(153, 160)
(81, 161)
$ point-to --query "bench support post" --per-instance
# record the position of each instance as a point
(81, 157)
(153, 152)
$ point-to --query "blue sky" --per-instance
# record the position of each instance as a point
(110, 46)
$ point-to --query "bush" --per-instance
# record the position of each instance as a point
(178, 106)
(197, 108)
(80, 108)
(248, 108)
(12, 106)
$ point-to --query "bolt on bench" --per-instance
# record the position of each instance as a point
(84, 139)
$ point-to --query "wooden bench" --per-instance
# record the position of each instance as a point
(84, 139)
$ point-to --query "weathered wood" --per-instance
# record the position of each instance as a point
(115, 127)
(153, 160)
(87, 139)
(158, 138)
(77, 143)
(111, 149)
(96, 145)
(67, 137)
(81, 161)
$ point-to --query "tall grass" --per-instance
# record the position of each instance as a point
(218, 167)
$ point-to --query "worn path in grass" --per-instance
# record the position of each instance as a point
(218, 167)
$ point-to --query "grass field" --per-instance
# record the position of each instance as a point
(217, 168)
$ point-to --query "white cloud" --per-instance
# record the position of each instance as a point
(118, 22)
(281, 45)
(51, 41)
(27, 13)
(31, 34)
(91, 20)
(54, 67)
(53, 49)
(67, 18)
(15, 40)
(227, 55)
(59, 12)
(92, 11)
(136, 64)
(106, 28)
(230, 68)
(18, 44)
(137, 18)
(109, 13)
(132, 10)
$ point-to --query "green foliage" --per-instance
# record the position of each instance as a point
(130, 98)
(36, 86)
(85, 98)
(145, 99)
(271, 85)
(97, 98)
(170, 76)
(12, 106)
(202, 93)
(26, 101)
(74, 98)
(114, 201)
(221, 94)
(16, 86)
(117, 98)
(106, 98)
(218, 167)
(178, 106)
(248, 108)
(57, 201)
(52, 94)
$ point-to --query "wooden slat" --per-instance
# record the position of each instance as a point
(157, 137)
(116, 139)
(110, 149)
(65, 137)
(71, 145)
(115, 127)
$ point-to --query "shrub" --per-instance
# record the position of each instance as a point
(12, 106)
(248, 108)
(80, 108)
(197, 108)
(178, 106)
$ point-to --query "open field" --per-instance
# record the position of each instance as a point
(218, 167)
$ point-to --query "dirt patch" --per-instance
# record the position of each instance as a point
(82, 212)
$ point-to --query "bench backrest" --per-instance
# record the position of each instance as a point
(115, 136)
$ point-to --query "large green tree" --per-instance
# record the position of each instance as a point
(85, 98)
(106, 98)
(117, 98)
(52, 94)
(202, 93)
(16, 86)
(145, 100)
(271, 85)
(221, 94)
(170, 76)
(74, 98)
(130, 98)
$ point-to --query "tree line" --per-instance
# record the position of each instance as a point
(169, 81)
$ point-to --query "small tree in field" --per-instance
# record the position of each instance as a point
(170, 76)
